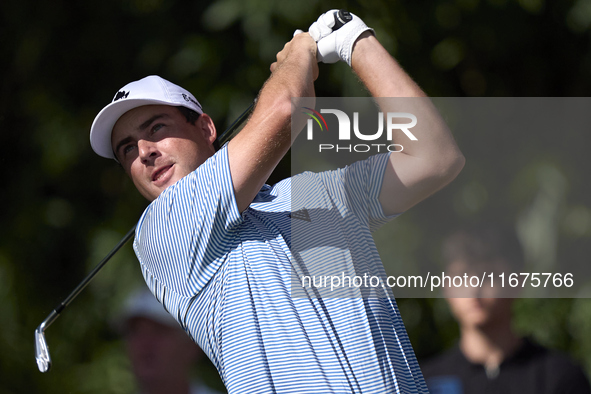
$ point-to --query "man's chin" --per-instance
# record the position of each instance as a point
(151, 194)
(155, 191)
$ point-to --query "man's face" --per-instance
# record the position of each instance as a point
(479, 306)
(157, 146)
(481, 312)
(158, 352)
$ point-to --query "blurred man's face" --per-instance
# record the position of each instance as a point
(481, 306)
(480, 312)
(157, 146)
(157, 351)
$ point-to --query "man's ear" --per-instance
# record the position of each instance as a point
(206, 126)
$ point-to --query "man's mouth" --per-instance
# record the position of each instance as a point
(162, 174)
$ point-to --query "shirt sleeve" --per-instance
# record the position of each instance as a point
(185, 234)
(357, 187)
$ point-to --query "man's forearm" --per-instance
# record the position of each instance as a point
(425, 165)
(266, 138)
(379, 71)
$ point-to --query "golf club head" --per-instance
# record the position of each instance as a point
(42, 351)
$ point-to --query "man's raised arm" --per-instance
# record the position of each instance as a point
(425, 165)
(266, 138)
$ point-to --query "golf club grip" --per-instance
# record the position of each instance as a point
(340, 18)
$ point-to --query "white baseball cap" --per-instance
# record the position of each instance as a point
(142, 303)
(146, 91)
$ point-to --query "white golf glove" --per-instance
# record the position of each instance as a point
(335, 45)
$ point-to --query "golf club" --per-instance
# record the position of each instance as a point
(41, 349)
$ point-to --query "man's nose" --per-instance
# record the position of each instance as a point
(147, 150)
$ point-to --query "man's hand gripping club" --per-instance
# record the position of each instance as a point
(335, 33)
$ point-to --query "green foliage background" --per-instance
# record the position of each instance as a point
(64, 207)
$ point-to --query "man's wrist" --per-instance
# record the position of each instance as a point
(362, 44)
(307, 42)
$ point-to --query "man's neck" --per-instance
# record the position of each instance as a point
(489, 346)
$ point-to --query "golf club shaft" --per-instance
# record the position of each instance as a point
(41, 349)
(42, 352)
(234, 128)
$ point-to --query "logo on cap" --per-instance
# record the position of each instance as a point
(121, 95)
(191, 99)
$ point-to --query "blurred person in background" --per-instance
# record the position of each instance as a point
(490, 356)
(162, 355)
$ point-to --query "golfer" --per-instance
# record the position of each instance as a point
(214, 244)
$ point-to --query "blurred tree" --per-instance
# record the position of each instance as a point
(65, 207)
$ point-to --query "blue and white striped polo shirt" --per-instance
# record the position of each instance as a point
(226, 277)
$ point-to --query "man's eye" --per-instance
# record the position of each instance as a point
(127, 149)
(157, 127)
